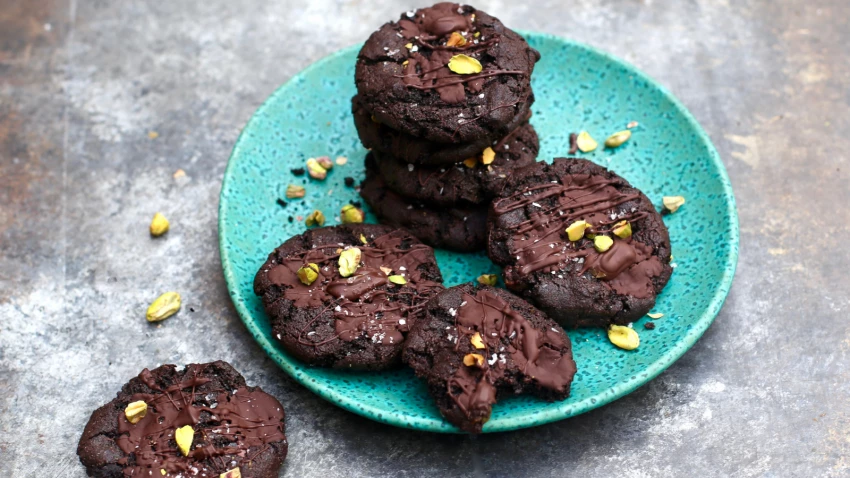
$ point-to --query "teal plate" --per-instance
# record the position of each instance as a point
(577, 88)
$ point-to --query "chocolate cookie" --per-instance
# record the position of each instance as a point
(346, 296)
(460, 183)
(230, 426)
(410, 149)
(404, 79)
(474, 346)
(462, 229)
(609, 271)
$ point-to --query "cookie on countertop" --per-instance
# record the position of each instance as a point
(228, 426)
(404, 81)
(612, 268)
(462, 229)
(410, 149)
(461, 183)
(475, 345)
(346, 296)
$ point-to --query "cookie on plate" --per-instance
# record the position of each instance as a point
(462, 229)
(579, 242)
(405, 80)
(475, 345)
(411, 149)
(346, 296)
(471, 183)
(199, 421)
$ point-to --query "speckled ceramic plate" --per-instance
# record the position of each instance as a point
(577, 88)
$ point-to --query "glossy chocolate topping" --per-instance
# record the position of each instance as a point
(540, 242)
(365, 304)
(231, 427)
(427, 62)
(505, 334)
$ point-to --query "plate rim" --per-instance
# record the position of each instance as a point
(564, 411)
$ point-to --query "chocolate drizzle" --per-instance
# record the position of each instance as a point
(364, 304)
(506, 334)
(539, 243)
(231, 427)
(430, 28)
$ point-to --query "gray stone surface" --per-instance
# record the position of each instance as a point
(764, 393)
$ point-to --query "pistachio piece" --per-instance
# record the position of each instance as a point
(308, 273)
(316, 170)
(602, 243)
(293, 191)
(585, 142)
(350, 214)
(349, 261)
(408, 45)
(488, 156)
(488, 279)
(184, 436)
(477, 341)
(397, 280)
(386, 270)
(159, 225)
(325, 162)
(473, 360)
(470, 162)
(673, 203)
(575, 231)
(163, 307)
(315, 218)
(136, 411)
(618, 138)
(655, 316)
(624, 337)
(622, 229)
(234, 473)
(456, 39)
(363, 239)
(464, 65)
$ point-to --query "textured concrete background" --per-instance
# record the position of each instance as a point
(82, 83)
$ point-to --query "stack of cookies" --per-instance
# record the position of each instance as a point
(443, 102)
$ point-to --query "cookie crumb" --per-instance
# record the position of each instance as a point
(349, 181)
(281, 202)
(649, 326)
(297, 171)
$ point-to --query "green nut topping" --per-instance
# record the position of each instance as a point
(349, 261)
(398, 280)
(350, 214)
(673, 203)
(488, 279)
(163, 307)
(294, 192)
(585, 142)
(602, 243)
(315, 218)
(315, 170)
(622, 229)
(308, 274)
(618, 138)
(575, 231)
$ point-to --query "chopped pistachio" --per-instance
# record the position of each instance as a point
(408, 45)
(293, 191)
(363, 239)
(386, 270)
(159, 225)
(673, 203)
(308, 273)
(477, 341)
(315, 218)
(575, 231)
(456, 39)
(622, 229)
(585, 142)
(624, 337)
(184, 436)
(163, 307)
(349, 261)
(397, 280)
(473, 360)
(350, 214)
(618, 138)
(234, 473)
(315, 170)
(470, 162)
(602, 243)
(488, 279)
(488, 156)
(136, 411)
(464, 65)
(655, 316)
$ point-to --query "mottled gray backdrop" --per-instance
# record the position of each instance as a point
(83, 82)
